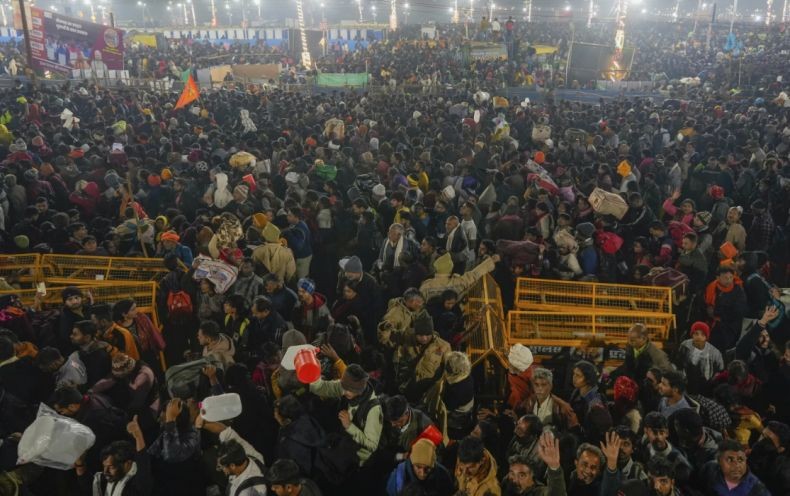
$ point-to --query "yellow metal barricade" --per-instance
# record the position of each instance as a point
(143, 293)
(562, 296)
(484, 321)
(21, 268)
(581, 327)
(71, 268)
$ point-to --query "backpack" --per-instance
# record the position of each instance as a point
(338, 459)
(256, 480)
(182, 380)
(179, 304)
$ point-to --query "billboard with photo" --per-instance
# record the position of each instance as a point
(61, 44)
(588, 62)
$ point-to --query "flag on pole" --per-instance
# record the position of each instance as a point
(190, 93)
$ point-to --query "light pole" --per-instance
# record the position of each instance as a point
(393, 15)
(491, 11)
(230, 14)
(590, 12)
(373, 13)
(186, 16)
(258, 3)
(142, 10)
(192, 8)
(734, 13)
(361, 14)
(406, 12)
(769, 12)
(785, 12)
(529, 10)
(213, 14)
(455, 11)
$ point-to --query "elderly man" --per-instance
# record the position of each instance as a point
(460, 283)
(641, 355)
(398, 322)
(729, 473)
(170, 243)
(591, 477)
(547, 406)
(520, 478)
(388, 265)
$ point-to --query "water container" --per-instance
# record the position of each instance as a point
(54, 441)
(222, 407)
(308, 370)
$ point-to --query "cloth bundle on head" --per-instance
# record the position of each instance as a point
(306, 284)
(122, 365)
(271, 233)
(259, 220)
(702, 327)
(354, 379)
(228, 233)
(443, 264)
(246, 122)
(625, 388)
(222, 195)
(423, 452)
(170, 236)
(520, 357)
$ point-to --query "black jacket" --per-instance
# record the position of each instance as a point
(140, 484)
(299, 441)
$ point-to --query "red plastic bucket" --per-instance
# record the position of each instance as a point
(308, 370)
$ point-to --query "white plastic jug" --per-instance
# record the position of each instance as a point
(223, 407)
(54, 441)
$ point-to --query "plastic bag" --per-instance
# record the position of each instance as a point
(54, 441)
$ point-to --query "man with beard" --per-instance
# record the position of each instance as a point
(768, 459)
(73, 311)
(520, 480)
(126, 469)
(661, 476)
(525, 441)
(656, 443)
(630, 468)
(729, 473)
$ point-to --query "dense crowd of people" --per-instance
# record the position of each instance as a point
(358, 223)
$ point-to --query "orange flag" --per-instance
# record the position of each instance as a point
(190, 94)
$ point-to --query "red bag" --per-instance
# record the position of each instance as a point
(179, 304)
(677, 230)
(609, 242)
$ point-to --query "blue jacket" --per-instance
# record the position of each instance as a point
(438, 483)
(303, 248)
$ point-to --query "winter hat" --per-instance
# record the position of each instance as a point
(154, 180)
(585, 230)
(308, 285)
(704, 217)
(379, 192)
(758, 205)
(520, 357)
(423, 452)
(69, 292)
(700, 326)
(443, 264)
(22, 242)
(351, 264)
(423, 326)
(354, 379)
(122, 365)
(292, 337)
